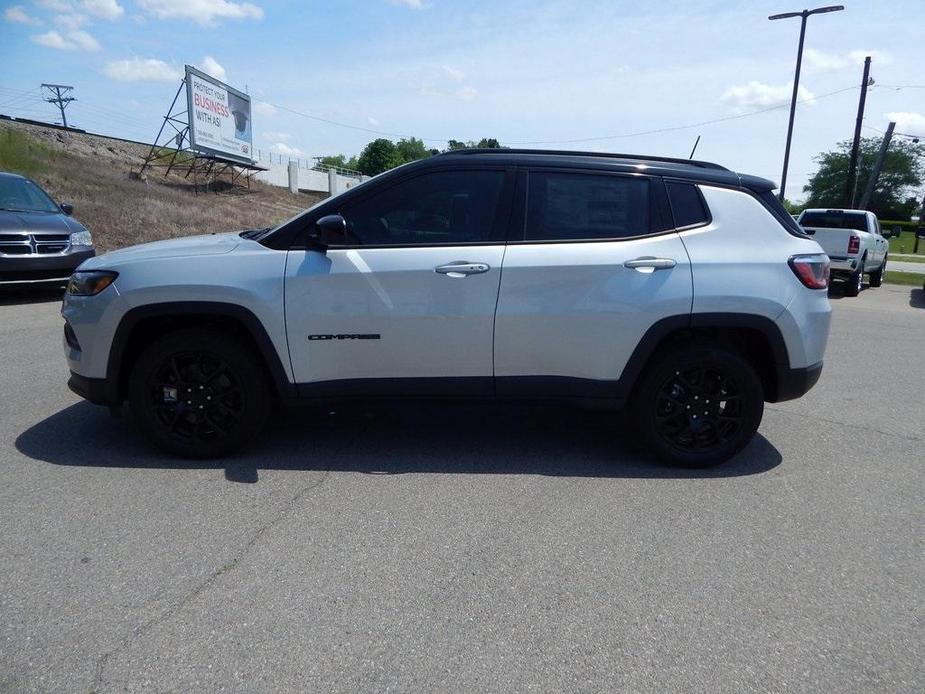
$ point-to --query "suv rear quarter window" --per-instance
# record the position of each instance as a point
(687, 204)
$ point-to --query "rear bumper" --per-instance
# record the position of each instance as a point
(794, 383)
(29, 270)
(99, 391)
(842, 266)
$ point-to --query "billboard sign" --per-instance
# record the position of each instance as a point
(219, 118)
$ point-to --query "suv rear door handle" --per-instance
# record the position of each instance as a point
(462, 268)
(650, 263)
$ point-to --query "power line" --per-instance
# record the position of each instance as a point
(680, 127)
(354, 127)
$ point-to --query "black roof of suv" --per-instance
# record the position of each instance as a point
(690, 169)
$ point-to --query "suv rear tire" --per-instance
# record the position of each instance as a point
(199, 393)
(698, 406)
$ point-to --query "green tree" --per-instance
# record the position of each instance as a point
(484, 143)
(412, 149)
(338, 161)
(792, 207)
(378, 156)
(903, 170)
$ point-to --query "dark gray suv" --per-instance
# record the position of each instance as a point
(40, 243)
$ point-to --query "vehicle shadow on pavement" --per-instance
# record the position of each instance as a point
(456, 438)
(917, 298)
(13, 297)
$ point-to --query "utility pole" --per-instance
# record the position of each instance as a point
(59, 98)
(878, 165)
(853, 161)
(804, 15)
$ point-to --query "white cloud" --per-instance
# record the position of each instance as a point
(83, 41)
(70, 22)
(820, 61)
(454, 74)
(203, 12)
(70, 41)
(264, 109)
(18, 15)
(56, 5)
(286, 150)
(210, 66)
(757, 95)
(278, 136)
(142, 70)
(413, 4)
(876, 57)
(824, 62)
(467, 93)
(908, 123)
(372, 121)
(104, 9)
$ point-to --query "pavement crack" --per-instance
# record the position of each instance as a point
(209, 580)
(807, 415)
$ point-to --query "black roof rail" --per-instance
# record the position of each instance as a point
(570, 153)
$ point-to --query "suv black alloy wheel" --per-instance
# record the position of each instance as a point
(199, 393)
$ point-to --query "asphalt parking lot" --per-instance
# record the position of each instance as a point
(470, 547)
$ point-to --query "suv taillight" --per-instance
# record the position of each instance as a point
(811, 270)
(854, 245)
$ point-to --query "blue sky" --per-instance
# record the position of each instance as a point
(545, 72)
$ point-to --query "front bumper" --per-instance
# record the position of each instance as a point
(794, 383)
(30, 270)
(99, 391)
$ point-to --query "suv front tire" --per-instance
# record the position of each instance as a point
(199, 393)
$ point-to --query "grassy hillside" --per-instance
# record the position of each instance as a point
(92, 173)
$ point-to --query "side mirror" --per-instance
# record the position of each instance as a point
(66, 208)
(330, 230)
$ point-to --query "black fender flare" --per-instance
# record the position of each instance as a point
(654, 337)
(246, 318)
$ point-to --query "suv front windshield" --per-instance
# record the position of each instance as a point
(22, 195)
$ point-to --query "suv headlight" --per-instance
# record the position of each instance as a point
(81, 238)
(90, 283)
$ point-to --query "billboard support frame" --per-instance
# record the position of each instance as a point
(175, 153)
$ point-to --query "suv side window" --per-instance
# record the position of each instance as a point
(565, 206)
(687, 205)
(441, 207)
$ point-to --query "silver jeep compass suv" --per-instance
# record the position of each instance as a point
(676, 287)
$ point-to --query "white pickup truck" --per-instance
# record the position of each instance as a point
(853, 241)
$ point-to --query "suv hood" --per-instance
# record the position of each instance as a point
(205, 244)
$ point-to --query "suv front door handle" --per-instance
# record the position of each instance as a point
(462, 268)
(649, 263)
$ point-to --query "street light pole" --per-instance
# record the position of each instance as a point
(804, 15)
